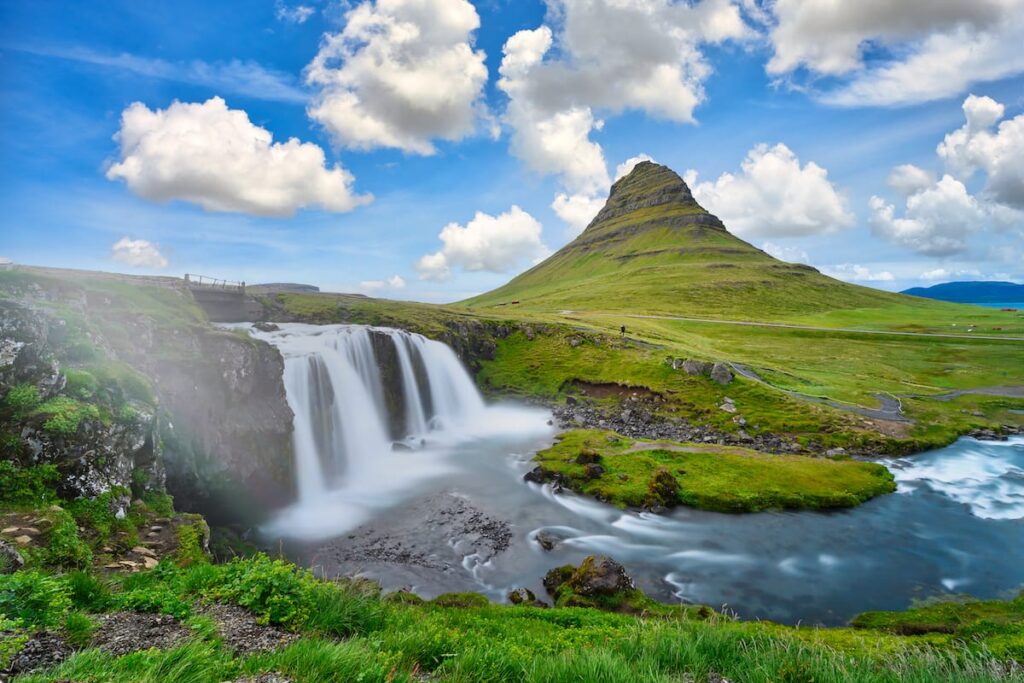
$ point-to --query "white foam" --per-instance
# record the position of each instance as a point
(987, 476)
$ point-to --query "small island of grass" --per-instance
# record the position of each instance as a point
(650, 474)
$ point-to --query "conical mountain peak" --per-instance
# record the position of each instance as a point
(647, 185)
(653, 248)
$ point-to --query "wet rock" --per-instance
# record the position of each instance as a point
(267, 327)
(600, 575)
(522, 596)
(835, 452)
(556, 577)
(547, 540)
(721, 373)
(538, 475)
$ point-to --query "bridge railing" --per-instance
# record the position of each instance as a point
(205, 282)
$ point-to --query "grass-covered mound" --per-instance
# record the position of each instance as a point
(643, 473)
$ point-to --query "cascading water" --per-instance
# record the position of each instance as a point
(349, 458)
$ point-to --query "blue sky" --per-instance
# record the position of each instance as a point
(792, 118)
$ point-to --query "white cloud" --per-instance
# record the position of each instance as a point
(215, 157)
(393, 283)
(627, 166)
(949, 274)
(604, 56)
(939, 217)
(294, 15)
(577, 210)
(138, 254)
(908, 179)
(774, 196)
(487, 243)
(4, 261)
(239, 77)
(929, 49)
(854, 272)
(998, 153)
(784, 253)
(400, 74)
(936, 222)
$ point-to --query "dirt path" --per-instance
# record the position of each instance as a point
(889, 408)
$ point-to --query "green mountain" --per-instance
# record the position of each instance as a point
(972, 292)
(654, 249)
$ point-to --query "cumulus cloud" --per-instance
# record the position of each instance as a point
(627, 166)
(400, 74)
(138, 254)
(929, 49)
(774, 196)
(213, 156)
(293, 15)
(786, 253)
(908, 179)
(487, 243)
(854, 272)
(577, 210)
(937, 220)
(393, 283)
(949, 274)
(604, 56)
(998, 152)
(940, 216)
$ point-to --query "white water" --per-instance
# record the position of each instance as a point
(348, 465)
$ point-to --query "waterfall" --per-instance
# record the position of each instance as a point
(334, 383)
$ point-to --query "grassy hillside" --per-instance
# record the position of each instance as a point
(653, 249)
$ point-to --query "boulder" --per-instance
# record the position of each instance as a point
(10, 559)
(664, 487)
(593, 471)
(547, 540)
(588, 456)
(266, 327)
(696, 367)
(522, 596)
(600, 575)
(721, 373)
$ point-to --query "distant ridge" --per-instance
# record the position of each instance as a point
(653, 249)
(972, 292)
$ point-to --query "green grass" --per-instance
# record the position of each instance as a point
(387, 641)
(716, 478)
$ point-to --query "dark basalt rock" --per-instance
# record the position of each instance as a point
(524, 596)
(600, 575)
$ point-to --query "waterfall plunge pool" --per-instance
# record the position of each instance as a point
(448, 509)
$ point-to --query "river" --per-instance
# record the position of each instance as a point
(455, 514)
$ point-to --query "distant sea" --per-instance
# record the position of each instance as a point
(1019, 305)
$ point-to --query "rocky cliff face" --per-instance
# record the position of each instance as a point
(98, 443)
(131, 380)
